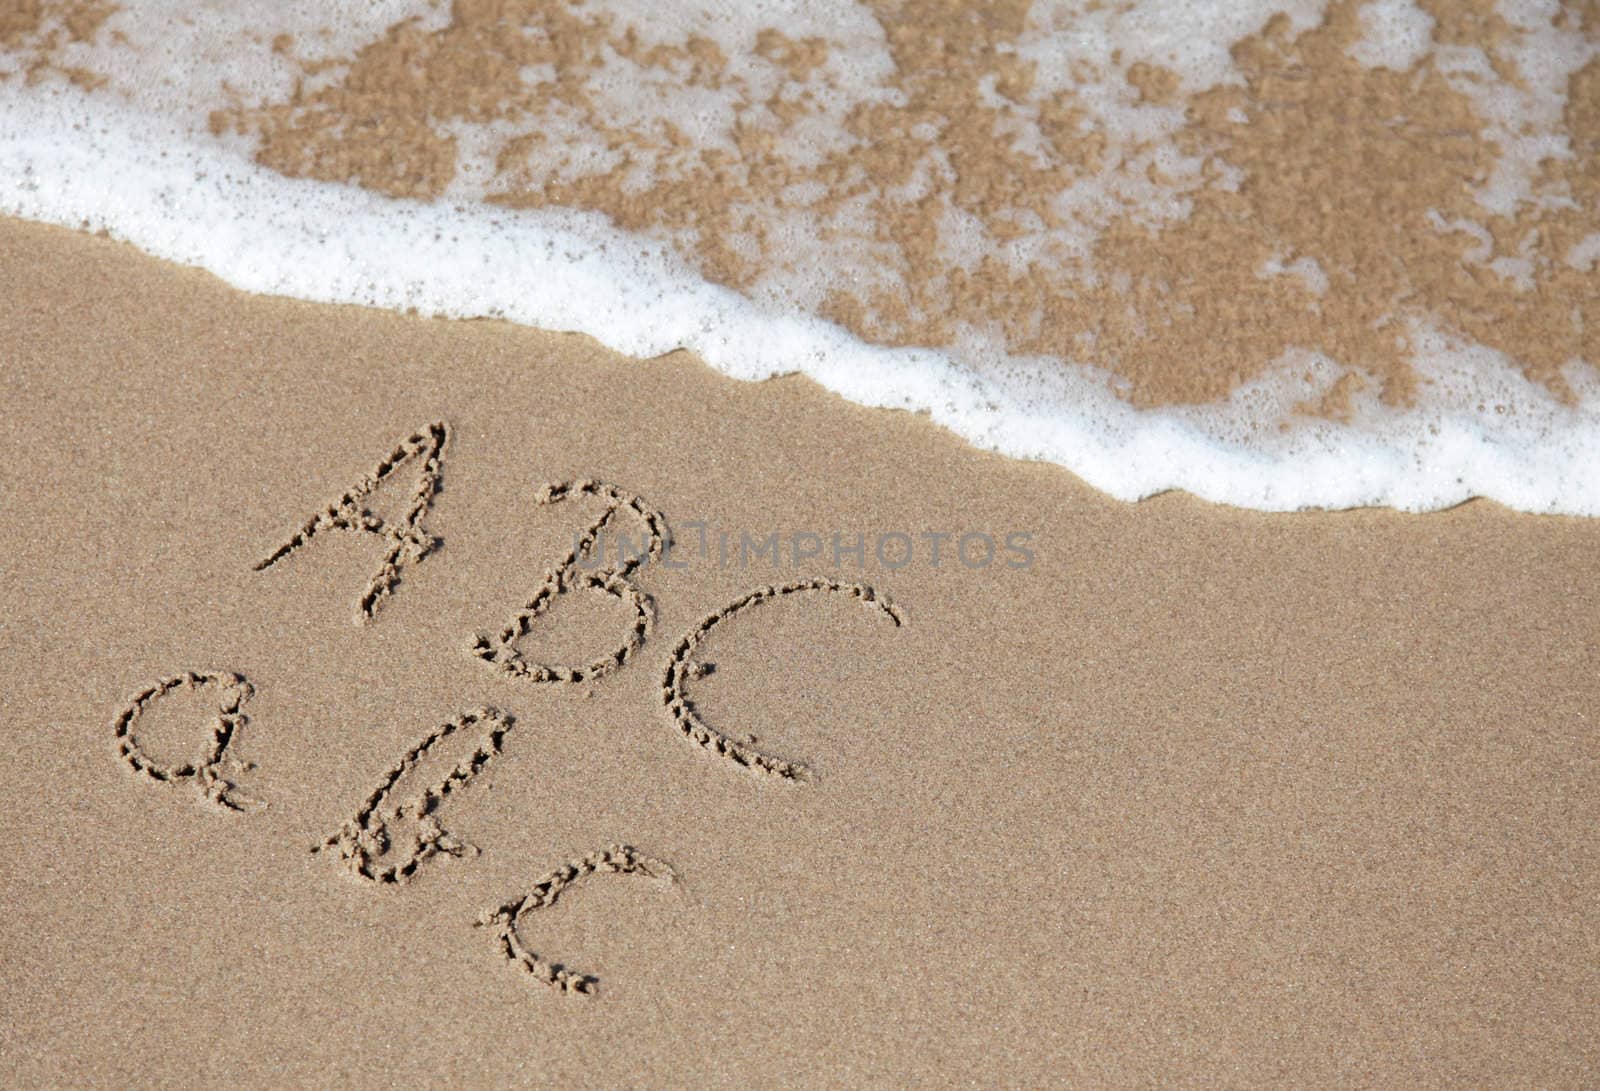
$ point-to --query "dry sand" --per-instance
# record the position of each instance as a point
(1198, 796)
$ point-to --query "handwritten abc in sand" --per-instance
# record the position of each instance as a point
(395, 830)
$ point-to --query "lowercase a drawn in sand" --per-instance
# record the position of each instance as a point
(205, 769)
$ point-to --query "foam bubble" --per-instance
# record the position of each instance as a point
(1396, 34)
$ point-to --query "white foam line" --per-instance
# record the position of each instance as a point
(89, 163)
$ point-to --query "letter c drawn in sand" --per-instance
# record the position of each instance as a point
(681, 668)
(615, 860)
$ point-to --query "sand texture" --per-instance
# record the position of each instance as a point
(1329, 202)
(1193, 795)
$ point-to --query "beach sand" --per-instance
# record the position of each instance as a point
(1194, 795)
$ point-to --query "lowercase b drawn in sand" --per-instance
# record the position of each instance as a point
(405, 541)
(367, 843)
(680, 668)
(205, 770)
(616, 859)
(501, 652)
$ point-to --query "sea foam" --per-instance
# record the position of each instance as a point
(136, 159)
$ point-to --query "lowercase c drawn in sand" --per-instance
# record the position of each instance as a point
(501, 652)
(405, 541)
(616, 860)
(205, 770)
(366, 840)
(680, 668)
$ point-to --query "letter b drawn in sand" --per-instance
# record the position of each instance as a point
(500, 650)
(232, 692)
(366, 842)
(505, 919)
(405, 541)
(681, 668)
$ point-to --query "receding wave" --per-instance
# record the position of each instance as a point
(1278, 255)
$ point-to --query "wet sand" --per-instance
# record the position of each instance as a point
(1193, 795)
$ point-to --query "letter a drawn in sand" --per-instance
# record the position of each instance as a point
(405, 541)
(205, 770)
